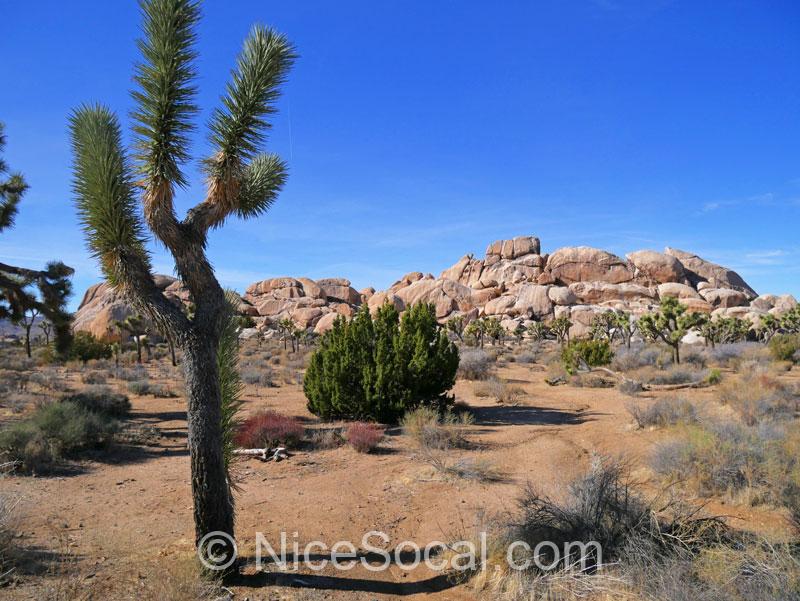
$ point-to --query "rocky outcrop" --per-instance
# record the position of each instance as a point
(514, 282)
(102, 306)
(699, 270)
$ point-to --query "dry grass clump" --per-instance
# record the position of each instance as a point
(500, 390)
(673, 374)
(474, 364)
(668, 411)
(638, 356)
(757, 396)
(326, 438)
(750, 464)
(592, 380)
(433, 431)
(49, 380)
(94, 376)
(632, 548)
(465, 468)
(146, 387)
(9, 552)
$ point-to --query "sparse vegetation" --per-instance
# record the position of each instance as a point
(430, 430)
(583, 354)
(667, 411)
(474, 364)
(101, 400)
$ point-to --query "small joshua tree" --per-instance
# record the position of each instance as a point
(626, 326)
(135, 327)
(768, 326)
(604, 326)
(240, 181)
(456, 325)
(27, 320)
(538, 331)
(670, 324)
(560, 328)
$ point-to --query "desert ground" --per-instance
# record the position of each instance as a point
(116, 522)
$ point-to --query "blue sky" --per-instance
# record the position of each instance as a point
(419, 131)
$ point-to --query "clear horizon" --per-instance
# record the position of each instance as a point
(416, 136)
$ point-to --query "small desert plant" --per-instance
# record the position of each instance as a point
(630, 387)
(580, 354)
(474, 364)
(54, 432)
(49, 380)
(526, 357)
(269, 429)
(132, 374)
(101, 400)
(785, 347)
(146, 387)
(262, 376)
(86, 347)
(326, 438)
(364, 437)
(674, 374)
(9, 552)
(758, 396)
(478, 470)
(630, 359)
(667, 411)
(94, 377)
(430, 430)
(500, 390)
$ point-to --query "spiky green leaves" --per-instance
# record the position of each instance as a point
(11, 189)
(263, 180)
(165, 97)
(239, 127)
(104, 193)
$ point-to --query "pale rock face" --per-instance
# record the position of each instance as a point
(515, 248)
(339, 289)
(698, 305)
(562, 295)
(533, 301)
(698, 270)
(784, 303)
(379, 298)
(500, 305)
(312, 289)
(102, 306)
(306, 317)
(679, 291)
(582, 317)
(724, 297)
(655, 267)
(765, 302)
(325, 323)
(597, 292)
(586, 264)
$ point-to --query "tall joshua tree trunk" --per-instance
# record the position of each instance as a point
(241, 181)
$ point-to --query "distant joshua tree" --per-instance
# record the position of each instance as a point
(135, 327)
(23, 291)
(241, 181)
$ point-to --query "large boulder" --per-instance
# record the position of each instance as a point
(656, 268)
(679, 291)
(699, 270)
(102, 306)
(724, 297)
(533, 301)
(562, 295)
(514, 248)
(339, 289)
(585, 264)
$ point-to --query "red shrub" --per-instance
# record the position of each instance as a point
(363, 437)
(268, 429)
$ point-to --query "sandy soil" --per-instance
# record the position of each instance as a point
(122, 515)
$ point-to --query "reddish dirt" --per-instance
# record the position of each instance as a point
(126, 514)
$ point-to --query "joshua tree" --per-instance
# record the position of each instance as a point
(134, 325)
(538, 331)
(456, 325)
(17, 284)
(626, 326)
(47, 328)
(790, 321)
(670, 324)
(768, 326)
(604, 326)
(26, 320)
(519, 333)
(240, 182)
(560, 328)
(494, 329)
(286, 328)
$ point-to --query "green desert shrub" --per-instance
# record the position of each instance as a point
(592, 353)
(785, 347)
(377, 369)
(101, 400)
(86, 347)
(54, 432)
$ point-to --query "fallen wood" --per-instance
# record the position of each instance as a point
(649, 387)
(276, 454)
